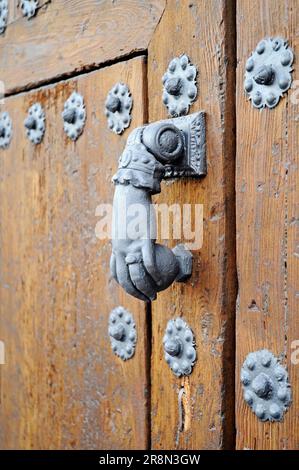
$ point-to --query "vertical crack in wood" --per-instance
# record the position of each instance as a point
(181, 412)
(231, 286)
(184, 408)
(285, 241)
(148, 308)
(148, 335)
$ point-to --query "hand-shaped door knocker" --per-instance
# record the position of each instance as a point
(164, 149)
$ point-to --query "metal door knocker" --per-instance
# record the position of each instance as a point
(5, 130)
(268, 72)
(171, 148)
(29, 7)
(35, 123)
(3, 15)
(74, 116)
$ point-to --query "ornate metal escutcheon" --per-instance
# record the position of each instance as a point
(29, 7)
(118, 108)
(179, 347)
(265, 385)
(74, 116)
(35, 123)
(268, 72)
(5, 130)
(3, 15)
(170, 148)
(179, 86)
(122, 332)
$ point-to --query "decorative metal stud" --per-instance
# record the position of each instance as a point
(5, 130)
(265, 385)
(74, 116)
(122, 332)
(35, 123)
(179, 347)
(118, 107)
(29, 8)
(179, 86)
(268, 72)
(3, 15)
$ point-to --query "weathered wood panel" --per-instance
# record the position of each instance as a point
(267, 223)
(62, 387)
(68, 36)
(205, 31)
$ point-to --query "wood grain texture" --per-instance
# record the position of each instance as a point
(68, 36)
(62, 387)
(205, 31)
(267, 223)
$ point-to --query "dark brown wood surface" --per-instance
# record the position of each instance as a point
(69, 36)
(205, 31)
(267, 223)
(61, 385)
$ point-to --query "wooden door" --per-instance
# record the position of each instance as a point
(205, 31)
(61, 386)
(267, 225)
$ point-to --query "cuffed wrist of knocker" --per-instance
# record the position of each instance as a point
(138, 167)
